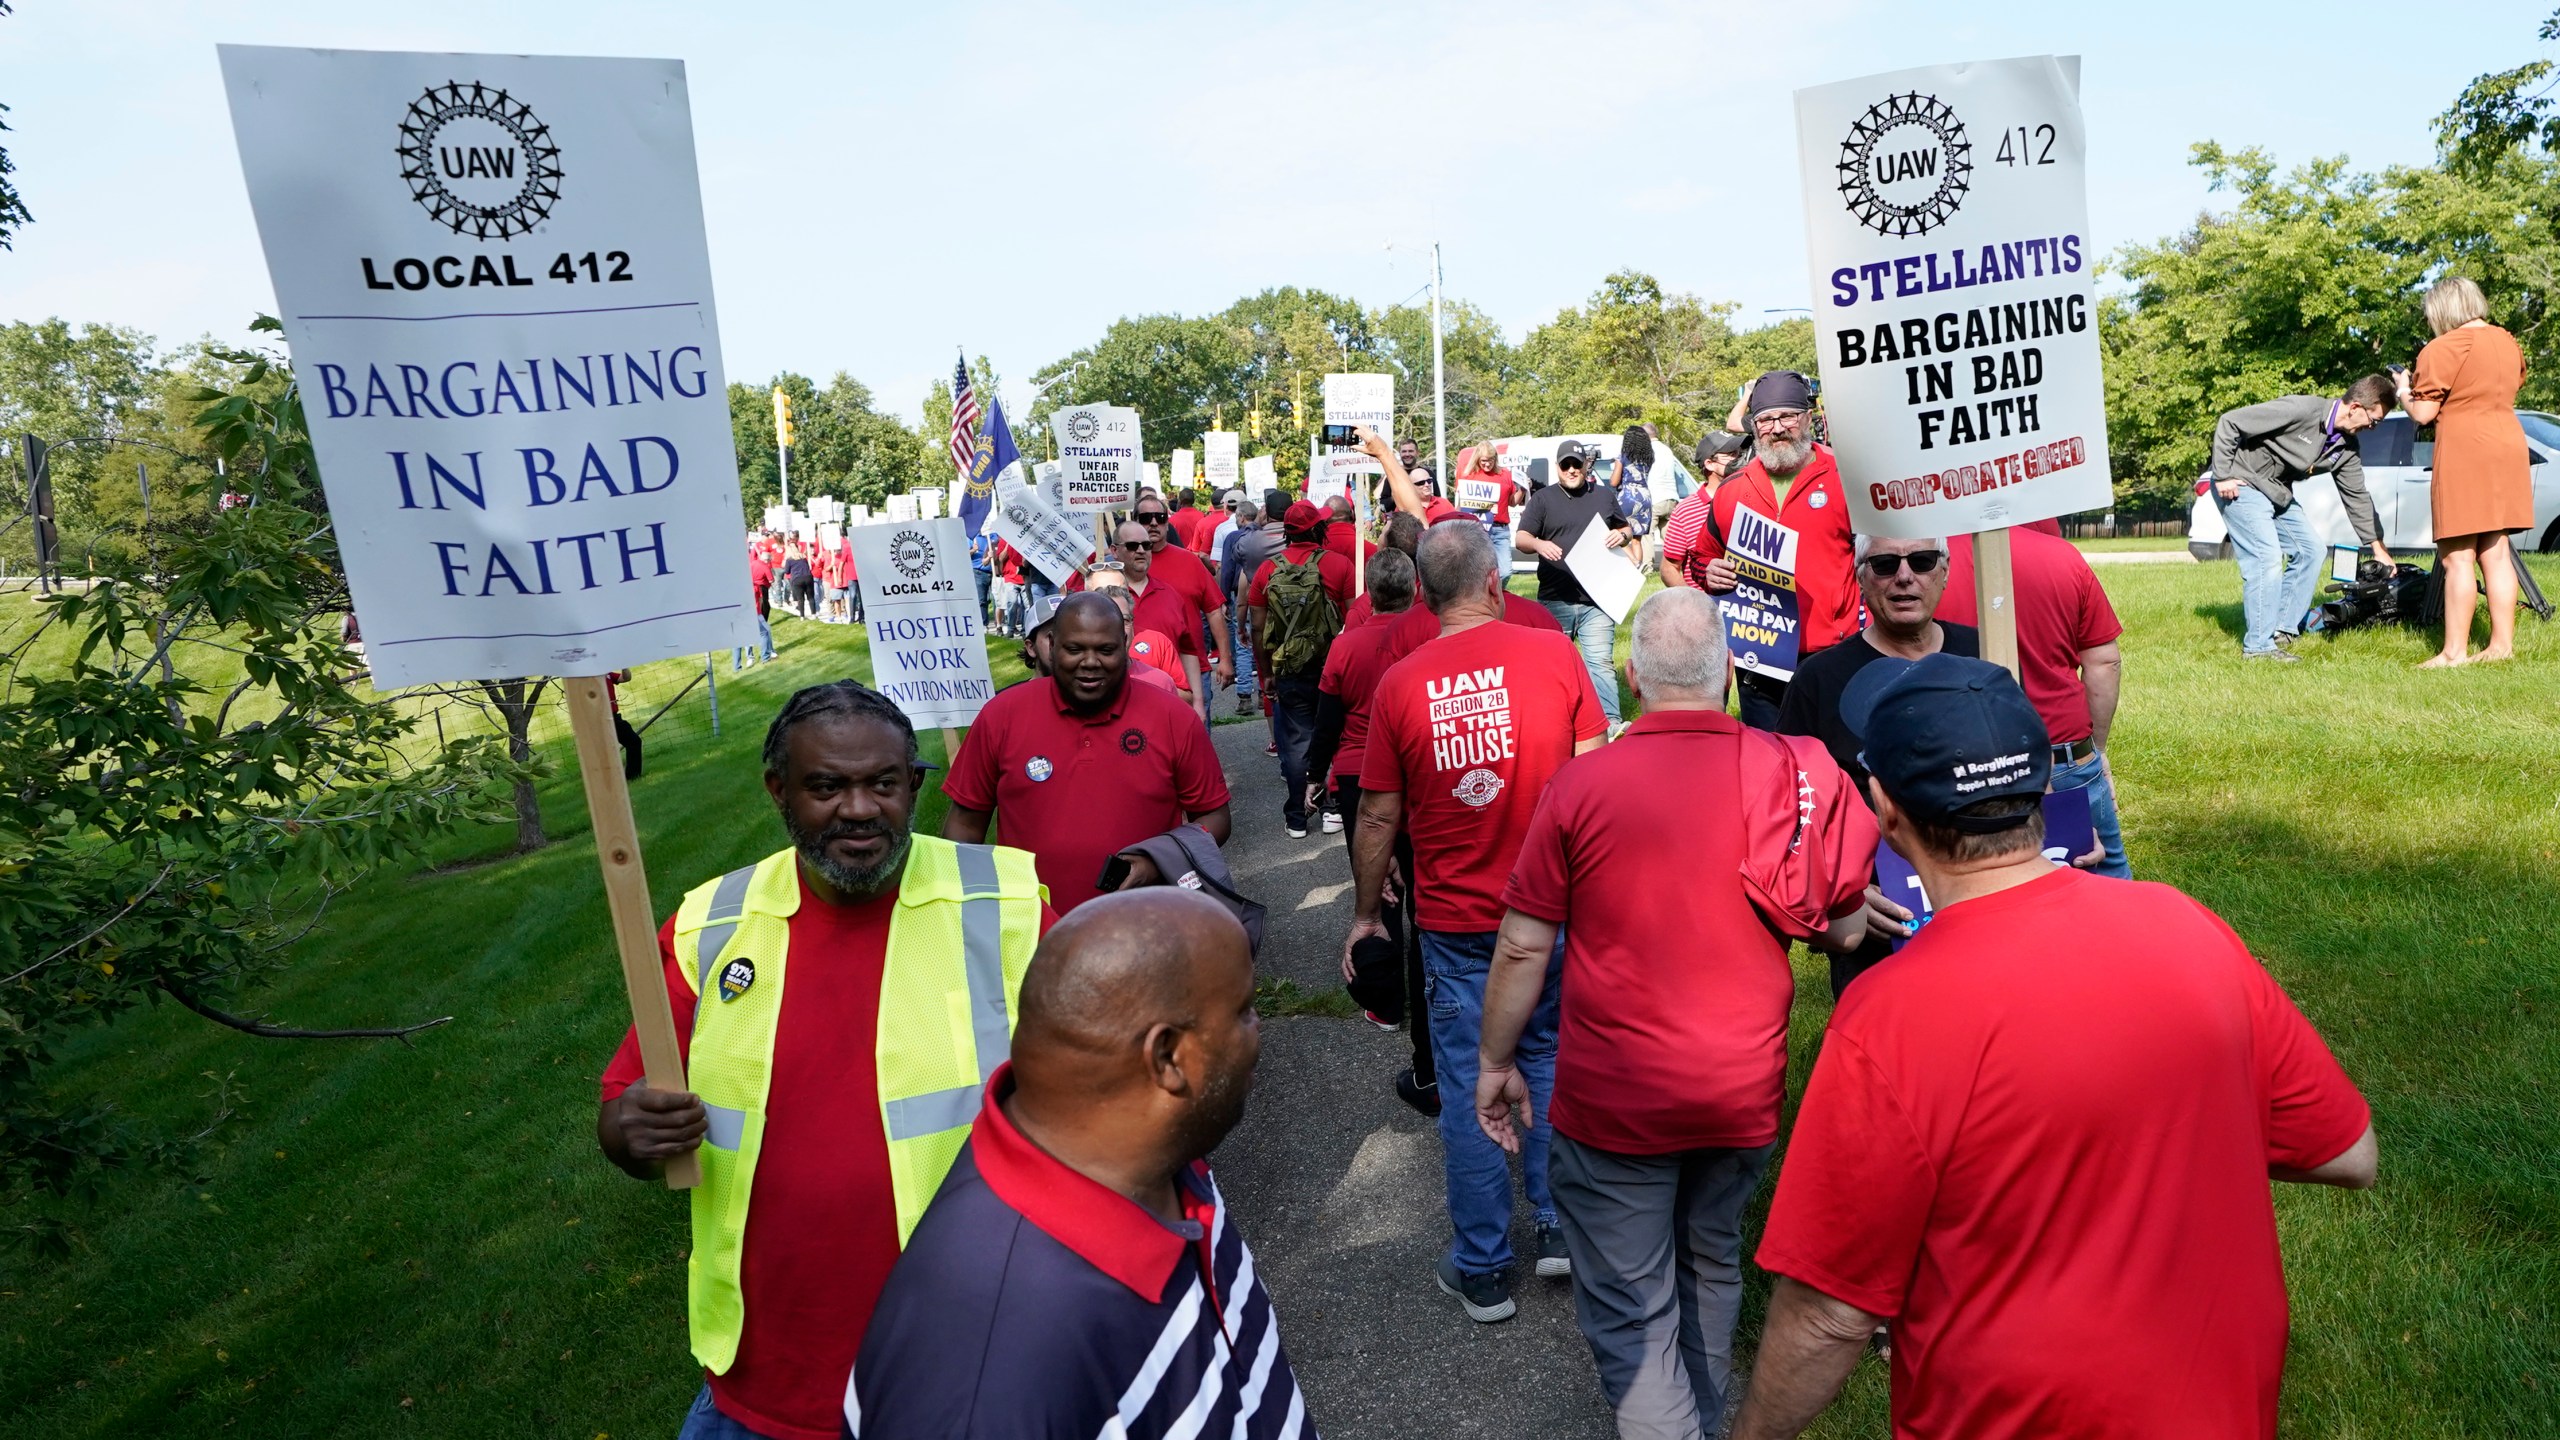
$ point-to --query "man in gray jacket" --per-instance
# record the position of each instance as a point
(2259, 453)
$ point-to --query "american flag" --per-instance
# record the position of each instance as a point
(964, 418)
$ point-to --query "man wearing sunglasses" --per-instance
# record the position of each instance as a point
(1791, 479)
(1902, 581)
(1178, 569)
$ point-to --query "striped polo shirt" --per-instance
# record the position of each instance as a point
(1032, 1301)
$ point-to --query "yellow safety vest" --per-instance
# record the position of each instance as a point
(968, 918)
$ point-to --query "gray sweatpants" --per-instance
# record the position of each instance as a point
(1656, 1242)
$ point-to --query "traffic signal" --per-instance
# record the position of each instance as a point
(782, 433)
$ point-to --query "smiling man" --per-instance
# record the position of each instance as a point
(838, 1111)
(1081, 765)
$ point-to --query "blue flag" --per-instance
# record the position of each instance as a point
(995, 451)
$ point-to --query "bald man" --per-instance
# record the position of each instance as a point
(1077, 1274)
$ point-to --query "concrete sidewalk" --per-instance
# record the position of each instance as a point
(1338, 1186)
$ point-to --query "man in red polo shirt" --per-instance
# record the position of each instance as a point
(1083, 764)
(2068, 659)
(2038, 1139)
(1174, 566)
(1152, 657)
(824, 1231)
(1793, 481)
(1672, 1058)
(1462, 738)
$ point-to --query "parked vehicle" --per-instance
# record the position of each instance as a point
(2399, 472)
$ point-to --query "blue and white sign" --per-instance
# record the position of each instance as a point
(920, 612)
(492, 275)
(1762, 622)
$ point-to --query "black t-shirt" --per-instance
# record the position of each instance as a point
(1558, 515)
(1812, 706)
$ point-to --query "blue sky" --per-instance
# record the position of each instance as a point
(853, 156)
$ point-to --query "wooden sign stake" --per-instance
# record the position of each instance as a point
(1995, 609)
(626, 893)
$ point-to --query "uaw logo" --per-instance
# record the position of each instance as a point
(911, 551)
(1906, 165)
(1082, 427)
(478, 161)
(981, 483)
(1478, 787)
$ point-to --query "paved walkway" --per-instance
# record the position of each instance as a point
(1338, 1187)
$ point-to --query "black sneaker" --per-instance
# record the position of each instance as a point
(1552, 1259)
(1487, 1297)
(1421, 1095)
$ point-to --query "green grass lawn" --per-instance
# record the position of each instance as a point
(422, 1240)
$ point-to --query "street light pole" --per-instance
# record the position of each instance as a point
(1439, 385)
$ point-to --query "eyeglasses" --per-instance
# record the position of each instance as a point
(1138, 545)
(1151, 517)
(1777, 420)
(1922, 562)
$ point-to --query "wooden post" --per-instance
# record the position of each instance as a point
(626, 893)
(1995, 610)
(1359, 535)
(950, 747)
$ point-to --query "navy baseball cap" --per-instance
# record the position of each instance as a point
(1944, 732)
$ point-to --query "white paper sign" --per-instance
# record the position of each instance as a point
(1050, 479)
(1097, 457)
(920, 610)
(492, 275)
(1179, 471)
(861, 515)
(1151, 476)
(928, 503)
(1947, 219)
(1354, 400)
(777, 518)
(902, 507)
(1607, 575)
(1258, 477)
(1218, 467)
(1053, 544)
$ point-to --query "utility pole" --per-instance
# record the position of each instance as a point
(782, 438)
(1439, 388)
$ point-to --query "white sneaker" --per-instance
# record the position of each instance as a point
(1332, 823)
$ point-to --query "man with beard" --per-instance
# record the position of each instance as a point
(837, 1109)
(1080, 1273)
(1083, 764)
(1791, 479)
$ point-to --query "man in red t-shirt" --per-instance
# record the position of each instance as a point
(1078, 766)
(1152, 657)
(1793, 481)
(2038, 1139)
(1191, 526)
(2069, 659)
(824, 1230)
(1463, 736)
(1672, 1057)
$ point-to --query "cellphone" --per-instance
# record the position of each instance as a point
(1338, 435)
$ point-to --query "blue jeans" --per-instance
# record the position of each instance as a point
(1293, 728)
(1454, 967)
(738, 654)
(705, 1422)
(1241, 627)
(1596, 636)
(2280, 566)
(2091, 775)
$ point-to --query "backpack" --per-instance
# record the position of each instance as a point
(1301, 616)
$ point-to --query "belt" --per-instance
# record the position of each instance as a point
(2075, 751)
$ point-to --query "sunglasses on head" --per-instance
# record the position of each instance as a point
(1922, 562)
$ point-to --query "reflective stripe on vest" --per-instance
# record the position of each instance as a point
(966, 922)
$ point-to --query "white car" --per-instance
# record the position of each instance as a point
(1531, 461)
(2399, 471)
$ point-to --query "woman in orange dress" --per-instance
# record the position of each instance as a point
(2466, 385)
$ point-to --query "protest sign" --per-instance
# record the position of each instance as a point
(1151, 476)
(777, 518)
(1259, 475)
(928, 503)
(1607, 576)
(902, 507)
(1946, 213)
(1049, 479)
(1097, 457)
(492, 274)
(861, 515)
(1353, 400)
(1178, 471)
(1218, 467)
(503, 334)
(920, 608)
(1761, 617)
(1050, 543)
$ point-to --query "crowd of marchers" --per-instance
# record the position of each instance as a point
(953, 1099)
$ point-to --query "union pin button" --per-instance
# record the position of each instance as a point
(735, 977)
